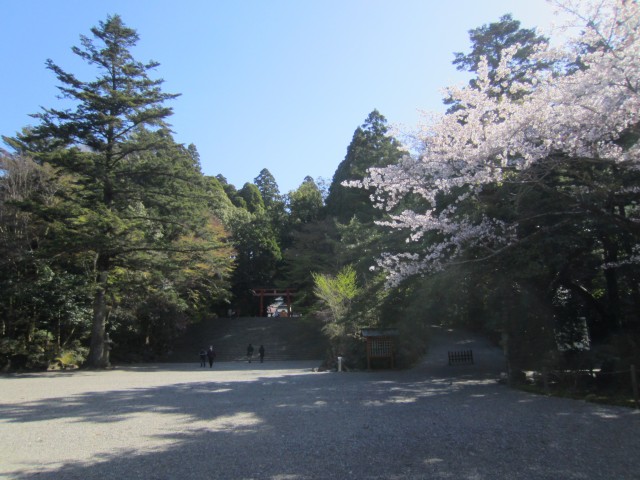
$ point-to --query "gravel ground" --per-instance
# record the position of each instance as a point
(283, 421)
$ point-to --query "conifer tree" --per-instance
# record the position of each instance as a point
(132, 185)
(371, 146)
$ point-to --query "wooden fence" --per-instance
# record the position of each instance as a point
(462, 357)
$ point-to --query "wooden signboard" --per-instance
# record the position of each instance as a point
(381, 344)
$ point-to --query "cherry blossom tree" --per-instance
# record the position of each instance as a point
(588, 115)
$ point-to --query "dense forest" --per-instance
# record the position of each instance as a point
(515, 214)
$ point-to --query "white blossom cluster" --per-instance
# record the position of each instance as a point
(581, 114)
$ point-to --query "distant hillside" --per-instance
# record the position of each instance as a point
(297, 338)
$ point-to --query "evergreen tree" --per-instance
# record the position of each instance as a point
(305, 203)
(43, 307)
(257, 254)
(219, 201)
(274, 204)
(232, 192)
(132, 186)
(488, 44)
(252, 198)
(315, 247)
(308, 242)
(371, 146)
(268, 187)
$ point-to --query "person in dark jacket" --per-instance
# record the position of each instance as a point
(203, 357)
(261, 352)
(250, 352)
(211, 355)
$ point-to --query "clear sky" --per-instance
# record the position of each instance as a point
(277, 84)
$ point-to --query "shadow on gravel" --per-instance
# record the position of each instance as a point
(380, 425)
(227, 366)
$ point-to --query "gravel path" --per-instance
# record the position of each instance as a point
(283, 421)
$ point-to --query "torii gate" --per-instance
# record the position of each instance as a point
(273, 292)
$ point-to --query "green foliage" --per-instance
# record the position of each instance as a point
(488, 42)
(314, 247)
(108, 225)
(371, 146)
(564, 270)
(200, 267)
(72, 357)
(252, 198)
(570, 238)
(31, 352)
(257, 254)
(43, 306)
(268, 188)
(305, 203)
(275, 205)
(113, 171)
(337, 292)
(131, 214)
(231, 192)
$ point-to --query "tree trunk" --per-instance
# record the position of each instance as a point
(98, 349)
(634, 283)
(611, 282)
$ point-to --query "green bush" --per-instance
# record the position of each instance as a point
(71, 357)
(34, 353)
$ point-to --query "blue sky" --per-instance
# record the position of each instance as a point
(277, 84)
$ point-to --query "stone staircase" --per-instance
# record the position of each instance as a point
(297, 338)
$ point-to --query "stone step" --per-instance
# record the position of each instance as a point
(284, 339)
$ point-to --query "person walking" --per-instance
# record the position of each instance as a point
(203, 357)
(250, 352)
(261, 352)
(211, 355)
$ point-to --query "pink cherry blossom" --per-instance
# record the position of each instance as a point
(579, 114)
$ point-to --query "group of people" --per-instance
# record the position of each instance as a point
(209, 355)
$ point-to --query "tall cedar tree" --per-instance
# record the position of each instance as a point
(118, 118)
(371, 146)
(274, 204)
(268, 187)
(305, 203)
